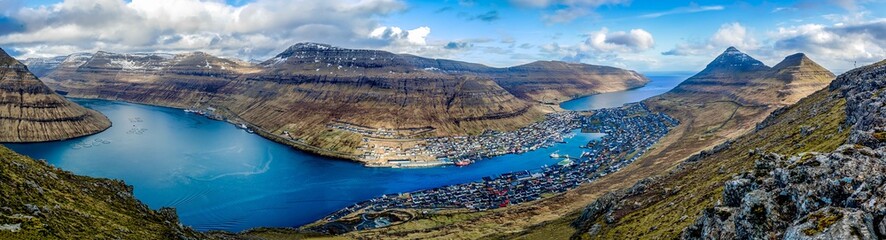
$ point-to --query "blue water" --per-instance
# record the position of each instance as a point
(659, 83)
(219, 177)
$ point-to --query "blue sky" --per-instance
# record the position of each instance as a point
(638, 34)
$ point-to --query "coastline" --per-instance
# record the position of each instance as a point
(236, 121)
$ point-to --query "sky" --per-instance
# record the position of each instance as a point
(642, 35)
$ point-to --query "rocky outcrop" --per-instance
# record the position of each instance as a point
(31, 112)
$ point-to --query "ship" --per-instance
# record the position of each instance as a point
(464, 162)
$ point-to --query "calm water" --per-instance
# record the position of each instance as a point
(222, 178)
(659, 83)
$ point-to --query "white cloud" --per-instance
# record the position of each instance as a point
(730, 34)
(399, 37)
(636, 40)
(839, 45)
(254, 30)
(621, 49)
(681, 10)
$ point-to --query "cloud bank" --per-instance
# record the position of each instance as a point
(254, 30)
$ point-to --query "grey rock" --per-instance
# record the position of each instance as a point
(833, 223)
(735, 190)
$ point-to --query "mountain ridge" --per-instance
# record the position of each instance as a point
(31, 112)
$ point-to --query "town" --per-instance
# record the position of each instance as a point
(630, 131)
(463, 150)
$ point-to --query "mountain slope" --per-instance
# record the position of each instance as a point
(542, 81)
(729, 97)
(31, 112)
(555, 82)
(42, 66)
(43, 202)
(789, 178)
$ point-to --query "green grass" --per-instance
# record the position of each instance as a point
(821, 221)
(74, 207)
(700, 184)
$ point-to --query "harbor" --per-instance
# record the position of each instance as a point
(630, 131)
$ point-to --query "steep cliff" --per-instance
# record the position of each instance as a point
(31, 112)
(809, 171)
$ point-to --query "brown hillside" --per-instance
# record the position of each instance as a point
(31, 112)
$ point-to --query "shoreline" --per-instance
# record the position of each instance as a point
(232, 119)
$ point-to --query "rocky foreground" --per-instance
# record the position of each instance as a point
(43, 202)
(810, 171)
(31, 112)
(815, 195)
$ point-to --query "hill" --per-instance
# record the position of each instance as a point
(31, 112)
(43, 202)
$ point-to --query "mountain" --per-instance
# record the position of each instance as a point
(555, 81)
(293, 96)
(809, 171)
(541, 81)
(711, 110)
(726, 99)
(802, 75)
(42, 66)
(31, 112)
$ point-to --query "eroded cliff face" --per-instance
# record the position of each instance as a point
(301, 90)
(31, 112)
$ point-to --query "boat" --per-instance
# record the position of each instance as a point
(555, 155)
(462, 163)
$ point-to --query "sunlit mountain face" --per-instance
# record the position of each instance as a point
(405, 119)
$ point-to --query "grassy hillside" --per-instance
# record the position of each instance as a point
(812, 170)
(663, 206)
(43, 202)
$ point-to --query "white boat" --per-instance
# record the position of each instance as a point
(555, 155)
